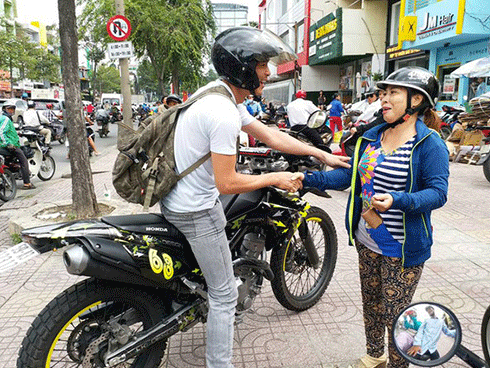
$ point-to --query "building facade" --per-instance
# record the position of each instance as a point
(340, 44)
(227, 15)
(454, 32)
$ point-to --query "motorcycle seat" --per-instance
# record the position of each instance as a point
(151, 224)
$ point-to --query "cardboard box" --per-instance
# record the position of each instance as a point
(471, 138)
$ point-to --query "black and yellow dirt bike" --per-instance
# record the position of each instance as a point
(145, 285)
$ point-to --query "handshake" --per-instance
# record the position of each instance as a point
(292, 182)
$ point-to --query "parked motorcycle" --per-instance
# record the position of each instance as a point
(144, 284)
(449, 119)
(41, 163)
(258, 160)
(8, 186)
(485, 151)
(433, 317)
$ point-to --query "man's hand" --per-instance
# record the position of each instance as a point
(288, 181)
(382, 202)
(332, 160)
(414, 350)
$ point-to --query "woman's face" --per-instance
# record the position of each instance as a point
(394, 103)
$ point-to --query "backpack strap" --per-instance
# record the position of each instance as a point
(221, 90)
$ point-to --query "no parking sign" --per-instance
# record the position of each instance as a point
(119, 28)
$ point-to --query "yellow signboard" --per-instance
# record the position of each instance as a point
(408, 28)
(325, 29)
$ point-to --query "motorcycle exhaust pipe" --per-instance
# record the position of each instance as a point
(76, 260)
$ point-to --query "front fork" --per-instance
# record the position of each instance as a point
(311, 251)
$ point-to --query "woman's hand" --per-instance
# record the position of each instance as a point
(382, 202)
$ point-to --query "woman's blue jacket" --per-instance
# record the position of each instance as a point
(426, 189)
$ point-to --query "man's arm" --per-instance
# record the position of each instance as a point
(228, 181)
(285, 143)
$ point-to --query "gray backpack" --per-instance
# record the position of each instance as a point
(144, 171)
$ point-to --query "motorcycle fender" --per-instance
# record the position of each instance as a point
(35, 162)
(484, 154)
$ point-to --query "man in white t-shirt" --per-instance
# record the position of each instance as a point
(212, 124)
(299, 111)
(374, 105)
(33, 119)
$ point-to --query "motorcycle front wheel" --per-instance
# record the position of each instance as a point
(47, 169)
(485, 335)
(297, 285)
(75, 319)
(8, 186)
(486, 169)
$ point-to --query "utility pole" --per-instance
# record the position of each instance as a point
(125, 86)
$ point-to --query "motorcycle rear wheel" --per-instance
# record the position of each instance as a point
(47, 169)
(297, 285)
(485, 335)
(62, 138)
(8, 186)
(61, 333)
(486, 169)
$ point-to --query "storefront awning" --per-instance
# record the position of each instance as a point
(476, 68)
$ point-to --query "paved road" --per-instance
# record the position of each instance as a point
(328, 335)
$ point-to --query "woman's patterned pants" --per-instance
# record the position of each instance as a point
(387, 288)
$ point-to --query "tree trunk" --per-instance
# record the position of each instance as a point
(175, 82)
(83, 194)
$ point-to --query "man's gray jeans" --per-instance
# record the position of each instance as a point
(205, 231)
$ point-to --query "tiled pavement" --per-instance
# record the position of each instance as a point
(329, 334)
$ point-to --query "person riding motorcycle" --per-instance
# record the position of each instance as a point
(50, 114)
(35, 121)
(10, 143)
(370, 114)
(240, 56)
(299, 111)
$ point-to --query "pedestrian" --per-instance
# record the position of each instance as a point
(428, 335)
(335, 113)
(399, 174)
(240, 56)
(322, 100)
(10, 142)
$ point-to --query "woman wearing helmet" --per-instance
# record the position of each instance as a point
(400, 175)
(240, 56)
(173, 100)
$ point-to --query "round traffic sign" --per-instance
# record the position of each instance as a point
(118, 28)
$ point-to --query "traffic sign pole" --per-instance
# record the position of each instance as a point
(125, 87)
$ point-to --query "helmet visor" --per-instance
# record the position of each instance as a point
(280, 51)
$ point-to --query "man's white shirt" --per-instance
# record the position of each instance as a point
(212, 123)
(33, 119)
(299, 111)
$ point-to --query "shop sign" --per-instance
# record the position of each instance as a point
(394, 52)
(436, 24)
(326, 38)
(449, 85)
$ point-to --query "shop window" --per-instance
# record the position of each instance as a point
(449, 84)
(300, 37)
(395, 21)
(478, 86)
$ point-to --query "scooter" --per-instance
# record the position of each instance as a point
(317, 120)
(38, 154)
(449, 119)
(102, 118)
(416, 324)
(8, 186)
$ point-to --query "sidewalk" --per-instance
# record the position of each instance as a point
(328, 335)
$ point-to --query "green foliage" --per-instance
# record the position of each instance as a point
(377, 77)
(172, 34)
(16, 239)
(108, 79)
(147, 79)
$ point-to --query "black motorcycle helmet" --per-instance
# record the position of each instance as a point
(31, 104)
(415, 80)
(175, 98)
(237, 50)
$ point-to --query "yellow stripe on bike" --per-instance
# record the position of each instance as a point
(314, 219)
(50, 353)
